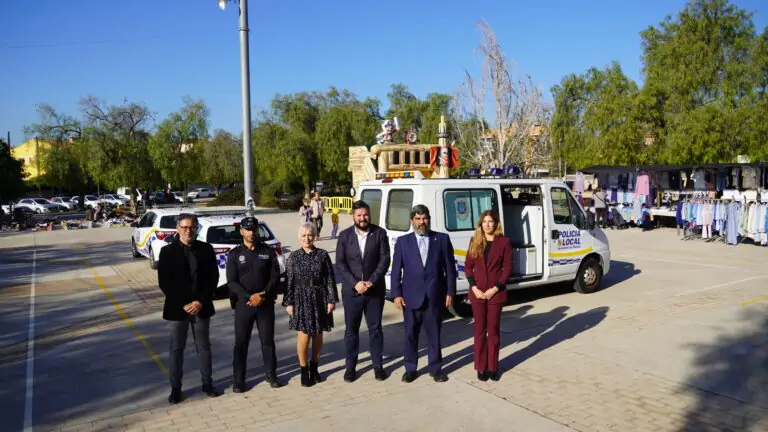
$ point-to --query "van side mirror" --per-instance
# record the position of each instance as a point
(591, 223)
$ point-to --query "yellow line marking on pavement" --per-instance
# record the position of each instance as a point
(757, 300)
(124, 316)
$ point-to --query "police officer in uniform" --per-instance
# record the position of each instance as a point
(253, 274)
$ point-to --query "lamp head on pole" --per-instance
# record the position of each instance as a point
(222, 4)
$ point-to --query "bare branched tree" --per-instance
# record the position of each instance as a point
(517, 131)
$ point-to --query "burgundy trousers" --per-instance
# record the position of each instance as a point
(486, 331)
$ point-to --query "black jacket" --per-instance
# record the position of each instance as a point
(253, 271)
(175, 279)
(372, 266)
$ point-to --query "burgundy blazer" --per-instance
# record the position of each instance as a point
(495, 272)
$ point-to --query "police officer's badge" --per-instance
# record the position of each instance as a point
(241, 258)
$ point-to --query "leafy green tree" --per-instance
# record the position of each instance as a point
(424, 114)
(114, 144)
(174, 148)
(62, 160)
(11, 174)
(222, 159)
(594, 121)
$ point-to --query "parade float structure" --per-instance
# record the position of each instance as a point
(432, 160)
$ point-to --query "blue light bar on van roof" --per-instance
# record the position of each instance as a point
(394, 175)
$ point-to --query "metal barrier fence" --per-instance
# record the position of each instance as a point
(344, 204)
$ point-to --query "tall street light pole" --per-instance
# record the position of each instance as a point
(245, 81)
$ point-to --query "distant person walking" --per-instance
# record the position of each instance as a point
(305, 212)
(318, 209)
(601, 207)
(488, 267)
(310, 299)
(188, 274)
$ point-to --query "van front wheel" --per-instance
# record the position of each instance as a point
(461, 307)
(589, 277)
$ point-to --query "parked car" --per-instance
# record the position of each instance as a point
(63, 201)
(201, 193)
(39, 205)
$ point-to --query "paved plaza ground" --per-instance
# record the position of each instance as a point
(677, 341)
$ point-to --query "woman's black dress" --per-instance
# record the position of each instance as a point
(311, 286)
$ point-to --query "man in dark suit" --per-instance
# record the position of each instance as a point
(362, 260)
(187, 273)
(423, 282)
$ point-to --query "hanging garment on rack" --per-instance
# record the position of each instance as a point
(706, 220)
(731, 225)
(722, 179)
(643, 186)
(749, 178)
(698, 180)
(578, 185)
(735, 177)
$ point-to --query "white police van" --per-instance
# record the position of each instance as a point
(553, 238)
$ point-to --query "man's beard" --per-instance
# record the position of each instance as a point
(361, 227)
(422, 230)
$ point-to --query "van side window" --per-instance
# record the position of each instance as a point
(565, 209)
(463, 207)
(578, 216)
(372, 197)
(399, 207)
(561, 210)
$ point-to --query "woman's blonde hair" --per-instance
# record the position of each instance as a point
(478, 242)
(307, 226)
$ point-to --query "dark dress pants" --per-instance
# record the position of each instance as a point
(354, 309)
(428, 316)
(486, 331)
(245, 317)
(200, 334)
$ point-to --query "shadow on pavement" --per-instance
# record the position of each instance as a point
(730, 381)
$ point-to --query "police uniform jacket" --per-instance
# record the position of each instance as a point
(253, 271)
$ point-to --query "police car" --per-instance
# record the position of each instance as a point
(553, 238)
(152, 230)
(223, 233)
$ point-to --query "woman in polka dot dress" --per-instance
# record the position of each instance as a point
(310, 298)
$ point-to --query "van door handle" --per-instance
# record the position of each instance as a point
(555, 234)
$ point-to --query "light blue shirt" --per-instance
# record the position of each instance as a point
(426, 241)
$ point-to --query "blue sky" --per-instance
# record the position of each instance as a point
(157, 51)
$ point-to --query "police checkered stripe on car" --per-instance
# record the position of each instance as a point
(563, 261)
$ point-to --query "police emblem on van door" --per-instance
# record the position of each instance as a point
(461, 209)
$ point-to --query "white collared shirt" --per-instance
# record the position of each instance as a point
(362, 238)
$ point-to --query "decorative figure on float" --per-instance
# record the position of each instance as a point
(413, 135)
(388, 128)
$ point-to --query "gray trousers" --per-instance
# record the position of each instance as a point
(200, 334)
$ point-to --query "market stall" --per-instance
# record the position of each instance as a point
(715, 201)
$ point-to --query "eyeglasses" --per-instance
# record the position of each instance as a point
(187, 227)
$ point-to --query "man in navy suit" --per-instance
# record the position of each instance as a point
(423, 282)
(362, 260)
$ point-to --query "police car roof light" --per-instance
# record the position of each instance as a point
(399, 174)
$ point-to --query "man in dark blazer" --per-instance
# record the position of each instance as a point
(362, 260)
(188, 274)
(423, 282)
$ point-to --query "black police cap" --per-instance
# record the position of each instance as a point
(249, 223)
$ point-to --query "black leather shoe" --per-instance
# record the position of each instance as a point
(409, 377)
(350, 375)
(273, 381)
(482, 376)
(439, 377)
(175, 396)
(305, 381)
(238, 388)
(494, 375)
(314, 374)
(211, 391)
(379, 374)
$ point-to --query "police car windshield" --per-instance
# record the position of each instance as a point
(168, 222)
(230, 234)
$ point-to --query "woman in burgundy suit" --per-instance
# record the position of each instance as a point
(488, 267)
